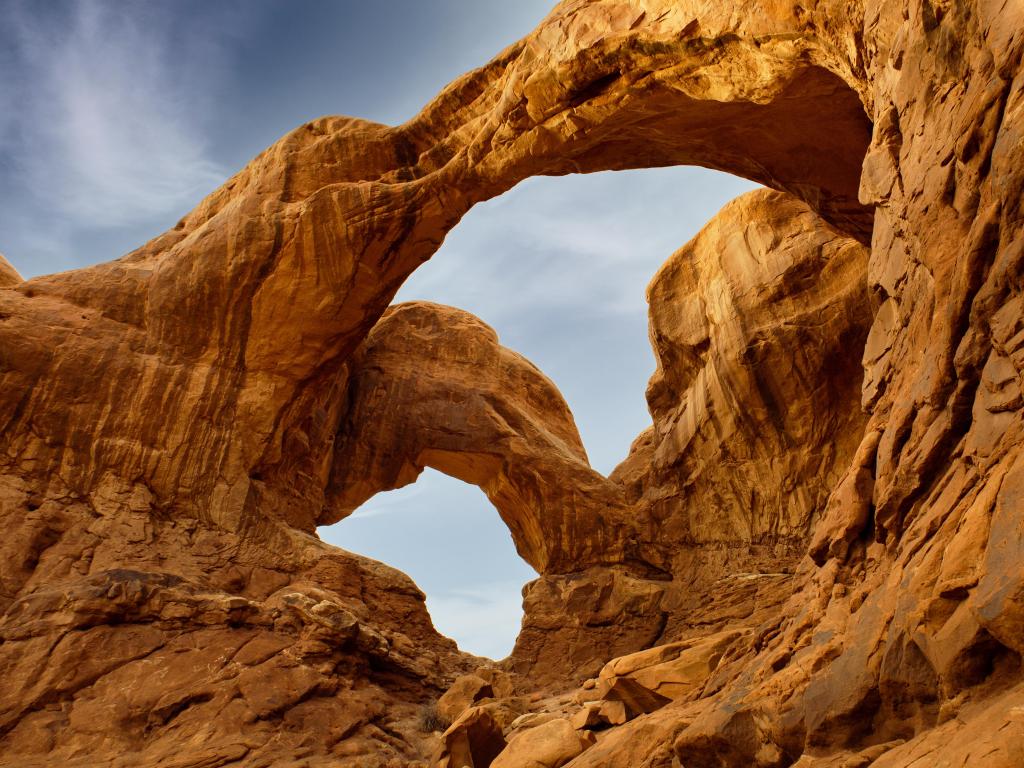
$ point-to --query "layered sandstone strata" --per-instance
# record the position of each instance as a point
(170, 422)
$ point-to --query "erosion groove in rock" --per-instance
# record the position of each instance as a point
(175, 424)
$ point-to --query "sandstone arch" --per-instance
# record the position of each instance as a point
(243, 315)
(756, 324)
(237, 328)
(431, 386)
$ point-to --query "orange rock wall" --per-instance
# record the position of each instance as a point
(168, 421)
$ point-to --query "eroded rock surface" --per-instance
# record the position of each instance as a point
(8, 274)
(431, 386)
(757, 326)
(171, 423)
(137, 640)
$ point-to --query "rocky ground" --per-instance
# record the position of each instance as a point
(813, 557)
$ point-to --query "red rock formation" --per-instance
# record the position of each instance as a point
(431, 386)
(169, 422)
(757, 325)
(8, 274)
(245, 313)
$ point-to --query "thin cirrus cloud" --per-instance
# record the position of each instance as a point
(104, 129)
(559, 267)
(573, 244)
(389, 503)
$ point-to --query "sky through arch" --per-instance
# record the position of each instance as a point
(116, 119)
(448, 537)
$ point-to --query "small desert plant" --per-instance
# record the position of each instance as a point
(431, 720)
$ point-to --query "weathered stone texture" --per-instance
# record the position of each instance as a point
(8, 274)
(175, 424)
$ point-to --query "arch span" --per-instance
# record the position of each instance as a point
(757, 325)
(432, 387)
(240, 320)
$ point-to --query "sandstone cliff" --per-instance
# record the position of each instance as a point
(812, 557)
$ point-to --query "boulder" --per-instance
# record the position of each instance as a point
(463, 693)
(472, 741)
(672, 670)
(550, 745)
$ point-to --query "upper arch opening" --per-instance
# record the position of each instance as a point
(559, 266)
(303, 250)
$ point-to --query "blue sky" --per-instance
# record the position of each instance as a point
(116, 118)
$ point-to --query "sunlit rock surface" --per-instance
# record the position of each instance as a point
(824, 520)
(8, 274)
(431, 386)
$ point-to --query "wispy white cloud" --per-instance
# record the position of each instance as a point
(389, 502)
(574, 243)
(105, 126)
(485, 618)
(559, 267)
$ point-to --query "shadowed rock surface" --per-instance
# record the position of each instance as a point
(817, 544)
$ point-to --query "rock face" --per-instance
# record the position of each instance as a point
(134, 640)
(8, 274)
(757, 326)
(833, 478)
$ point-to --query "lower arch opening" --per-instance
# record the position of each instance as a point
(448, 538)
